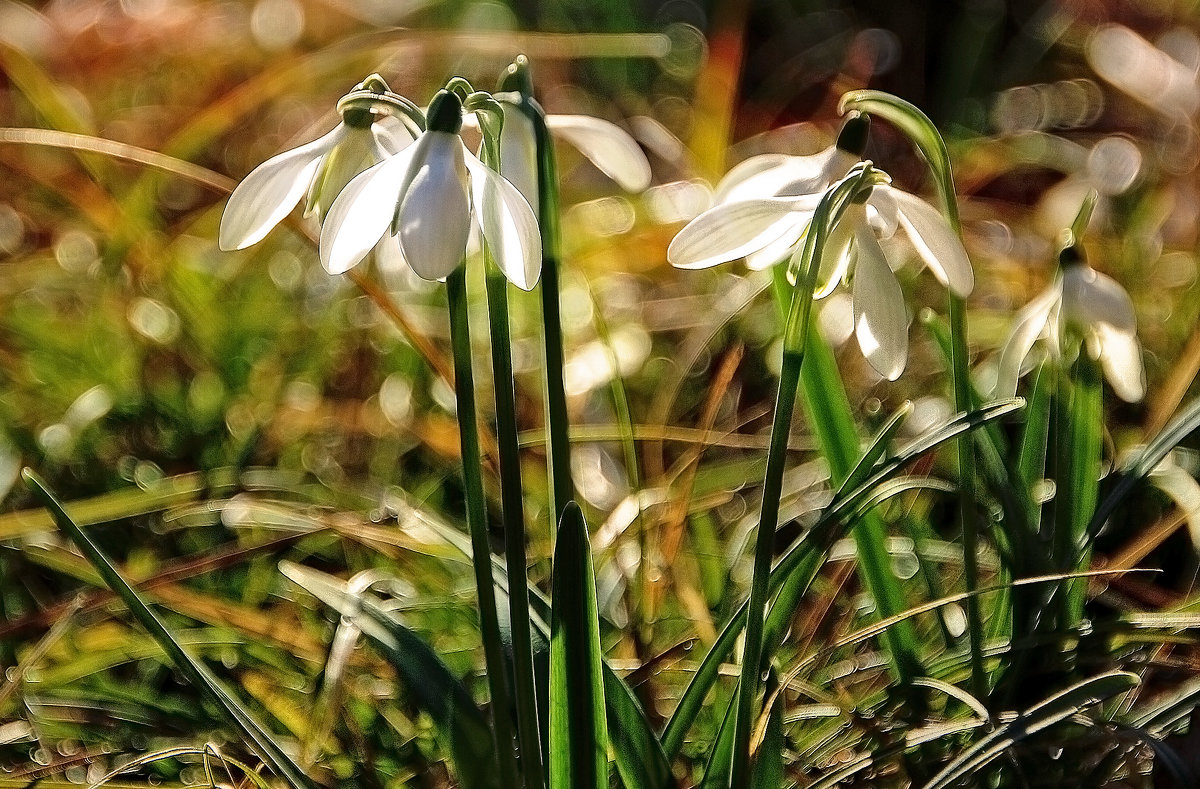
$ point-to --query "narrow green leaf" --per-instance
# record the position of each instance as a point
(433, 687)
(258, 738)
(1041, 716)
(717, 773)
(578, 731)
(641, 762)
(768, 765)
(1079, 479)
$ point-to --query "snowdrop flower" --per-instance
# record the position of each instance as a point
(605, 144)
(425, 199)
(1085, 305)
(737, 229)
(368, 133)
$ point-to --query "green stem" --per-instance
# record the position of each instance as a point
(1079, 481)
(512, 508)
(558, 441)
(464, 390)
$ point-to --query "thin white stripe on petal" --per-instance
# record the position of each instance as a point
(508, 223)
(271, 191)
(728, 232)
(607, 145)
(1031, 323)
(880, 318)
(363, 212)
(935, 242)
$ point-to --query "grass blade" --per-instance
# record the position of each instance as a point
(578, 730)
(1041, 716)
(434, 688)
(258, 738)
(641, 761)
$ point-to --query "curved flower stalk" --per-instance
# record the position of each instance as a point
(1081, 305)
(738, 229)
(426, 198)
(376, 124)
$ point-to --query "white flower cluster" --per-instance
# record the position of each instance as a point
(391, 174)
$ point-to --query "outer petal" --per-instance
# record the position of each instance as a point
(271, 191)
(778, 250)
(835, 258)
(935, 242)
(355, 152)
(363, 212)
(775, 174)
(518, 153)
(607, 145)
(434, 221)
(391, 135)
(1031, 322)
(728, 232)
(880, 319)
(1090, 297)
(508, 224)
(1121, 358)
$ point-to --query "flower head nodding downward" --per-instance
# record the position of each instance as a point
(604, 144)
(852, 251)
(368, 133)
(1081, 305)
(425, 198)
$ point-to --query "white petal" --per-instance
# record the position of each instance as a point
(271, 191)
(363, 212)
(1031, 323)
(780, 175)
(935, 242)
(880, 319)
(1121, 358)
(1090, 297)
(434, 221)
(607, 145)
(728, 232)
(508, 222)
(778, 251)
(355, 152)
(518, 153)
(835, 258)
(391, 135)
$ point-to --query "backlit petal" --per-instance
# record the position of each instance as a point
(880, 318)
(508, 223)
(271, 191)
(434, 221)
(363, 212)
(780, 175)
(728, 232)
(1030, 324)
(937, 244)
(518, 153)
(1090, 297)
(607, 145)
(1121, 358)
(835, 258)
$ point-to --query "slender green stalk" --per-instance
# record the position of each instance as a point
(1079, 481)
(559, 447)
(513, 508)
(464, 390)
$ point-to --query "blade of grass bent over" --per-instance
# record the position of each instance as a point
(578, 730)
(196, 672)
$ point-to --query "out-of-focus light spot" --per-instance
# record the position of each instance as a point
(576, 306)
(88, 407)
(1182, 45)
(206, 394)
(56, 440)
(1068, 104)
(659, 139)
(286, 270)
(928, 412)
(994, 237)
(1174, 270)
(488, 16)
(153, 320)
(277, 24)
(875, 51)
(302, 396)
(595, 364)
(76, 251)
(600, 479)
(395, 399)
(1113, 165)
(144, 10)
(24, 29)
(607, 216)
(688, 51)
(1138, 68)
(677, 201)
(12, 229)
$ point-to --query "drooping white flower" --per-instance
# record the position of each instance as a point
(316, 171)
(1081, 303)
(426, 198)
(737, 229)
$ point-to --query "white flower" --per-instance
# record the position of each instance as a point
(425, 198)
(319, 169)
(737, 229)
(1091, 305)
